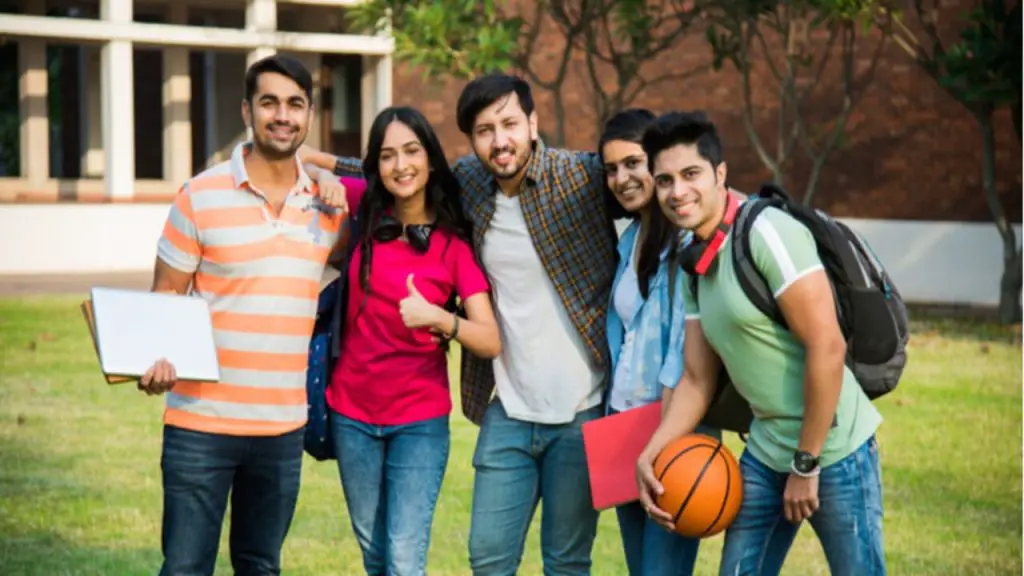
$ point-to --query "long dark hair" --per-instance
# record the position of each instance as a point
(442, 190)
(629, 126)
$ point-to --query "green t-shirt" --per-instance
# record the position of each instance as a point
(765, 361)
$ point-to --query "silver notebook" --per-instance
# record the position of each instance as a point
(134, 329)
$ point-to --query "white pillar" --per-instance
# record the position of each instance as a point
(32, 103)
(260, 16)
(116, 87)
(376, 92)
(314, 21)
(384, 73)
(177, 91)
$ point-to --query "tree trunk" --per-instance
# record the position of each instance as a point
(812, 180)
(559, 140)
(1010, 285)
(1016, 116)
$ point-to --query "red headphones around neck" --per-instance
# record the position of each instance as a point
(697, 257)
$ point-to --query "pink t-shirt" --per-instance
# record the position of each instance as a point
(354, 189)
(388, 374)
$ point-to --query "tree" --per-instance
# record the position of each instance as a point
(981, 71)
(460, 38)
(744, 32)
(464, 38)
(620, 39)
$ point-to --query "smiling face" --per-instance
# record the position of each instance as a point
(279, 115)
(503, 136)
(691, 192)
(404, 165)
(625, 171)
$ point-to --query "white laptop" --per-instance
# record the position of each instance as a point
(136, 328)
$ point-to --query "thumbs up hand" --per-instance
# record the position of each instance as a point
(416, 311)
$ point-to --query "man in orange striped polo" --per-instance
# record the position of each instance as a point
(251, 237)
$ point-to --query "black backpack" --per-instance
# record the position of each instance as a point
(870, 310)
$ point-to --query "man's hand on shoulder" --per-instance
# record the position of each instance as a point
(332, 192)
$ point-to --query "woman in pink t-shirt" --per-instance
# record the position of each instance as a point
(389, 389)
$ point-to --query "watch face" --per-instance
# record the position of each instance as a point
(804, 462)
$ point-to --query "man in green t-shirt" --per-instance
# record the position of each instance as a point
(811, 454)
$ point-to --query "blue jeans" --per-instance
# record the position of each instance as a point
(848, 521)
(650, 549)
(391, 477)
(262, 474)
(518, 464)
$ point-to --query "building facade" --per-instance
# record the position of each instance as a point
(107, 106)
(123, 100)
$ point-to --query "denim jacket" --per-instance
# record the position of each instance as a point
(658, 348)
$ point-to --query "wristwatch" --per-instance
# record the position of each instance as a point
(805, 463)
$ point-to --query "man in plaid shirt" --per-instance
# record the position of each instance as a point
(542, 231)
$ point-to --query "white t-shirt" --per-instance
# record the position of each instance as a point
(544, 373)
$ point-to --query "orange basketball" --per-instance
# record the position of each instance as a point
(703, 487)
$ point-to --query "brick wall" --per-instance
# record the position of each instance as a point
(911, 151)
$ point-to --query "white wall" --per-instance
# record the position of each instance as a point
(935, 262)
(79, 238)
(939, 262)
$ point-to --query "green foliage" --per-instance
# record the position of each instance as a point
(730, 19)
(461, 38)
(980, 67)
(633, 21)
(725, 46)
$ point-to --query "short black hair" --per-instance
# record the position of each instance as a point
(279, 64)
(683, 128)
(486, 90)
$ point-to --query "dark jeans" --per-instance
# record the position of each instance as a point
(391, 477)
(519, 464)
(199, 471)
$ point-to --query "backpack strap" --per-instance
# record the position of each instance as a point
(753, 282)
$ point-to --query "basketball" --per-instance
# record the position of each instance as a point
(702, 485)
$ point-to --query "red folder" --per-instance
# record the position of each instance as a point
(612, 445)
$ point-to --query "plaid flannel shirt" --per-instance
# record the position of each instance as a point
(565, 211)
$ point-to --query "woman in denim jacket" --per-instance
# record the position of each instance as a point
(645, 325)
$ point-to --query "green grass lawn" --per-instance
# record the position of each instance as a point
(80, 479)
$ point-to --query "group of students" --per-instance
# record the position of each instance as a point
(512, 252)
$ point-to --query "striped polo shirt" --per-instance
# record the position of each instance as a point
(260, 274)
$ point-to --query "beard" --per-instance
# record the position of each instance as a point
(519, 163)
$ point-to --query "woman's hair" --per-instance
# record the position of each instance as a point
(629, 126)
(441, 194)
